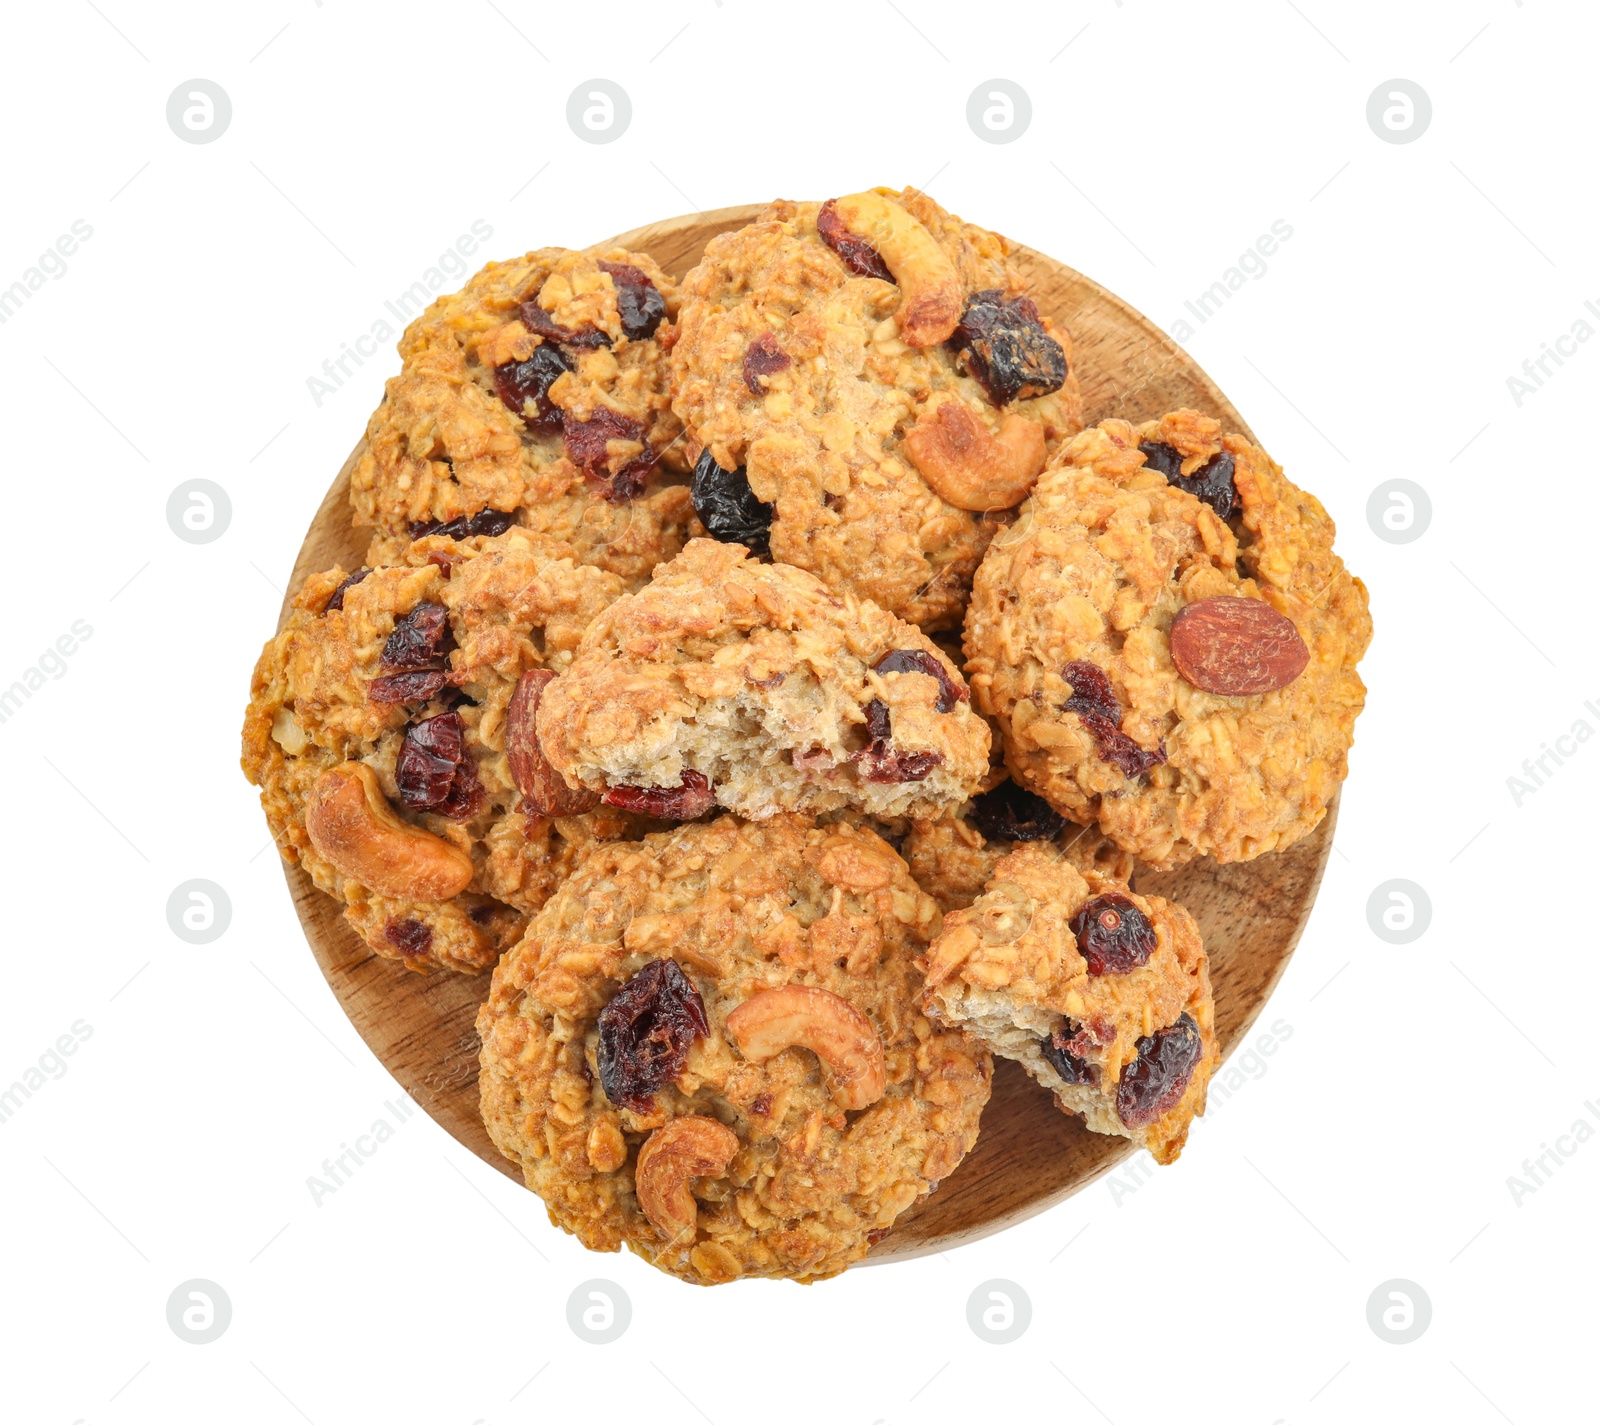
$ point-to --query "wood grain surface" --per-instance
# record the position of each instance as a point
(1029, 1155)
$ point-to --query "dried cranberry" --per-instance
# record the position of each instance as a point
(1004, 347)
(1212, 483)
(1058, 1054)
(1011, 812)
(336, 600)
(435, 771)
(692, 797)
(763, 358)
(639, 304)
(586, 443)
(859, 255)
(518, 382)
(410, 937)
(1101, 714)
(916, 660)
(420, 640)
(728, 507)
(541, 323)
(1159, 1072)
(1114, 935)
(485, 522)
(646, 1032)
(879, 762)
(407, 687)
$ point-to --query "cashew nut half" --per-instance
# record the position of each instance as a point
(930, 290)
(352, 824)
(969, 467)
(800, 1016)
(682, 1149)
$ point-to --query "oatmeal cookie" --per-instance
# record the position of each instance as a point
(1102, 995)
(536, 395)
(1169, 643)
(870, 390)
(726, 681)
(376, 733)
(706, 1048)
(953, 857)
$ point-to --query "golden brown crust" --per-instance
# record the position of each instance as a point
(759, 678)
(514, 602)
(743, 908)
(1009, 970)
(1104, 557)
(443, 444)
(823, 440)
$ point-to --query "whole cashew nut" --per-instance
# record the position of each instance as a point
(968, 466)
(682, 1149)
(800, 1016)
(930, 290)
(352, 824)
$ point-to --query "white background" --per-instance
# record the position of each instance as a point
(1376, 1143)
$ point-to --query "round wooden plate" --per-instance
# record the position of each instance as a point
(1029, 1154)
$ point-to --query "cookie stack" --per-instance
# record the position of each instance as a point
(769, 678)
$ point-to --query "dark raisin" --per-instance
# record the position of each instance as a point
(336, 601)
(646, 1032)
(1058, 1054)
(639, 304)
(541, 323)
(1004, 347)
(763, 358)
(420, 640)
(407, 687)
(1160, 456)
(1114, 935)
(879, 762)
(485, 522)
(482, 914)
(586, 443)
(1012, 813)
(917, 660)
(877, 713)
(728, 507)
(410, 937)
(1212, 483)
(1101, 714)
(435, 771)
(692, 797)
(1159, 1072)
(859, 255)
(519, 382)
